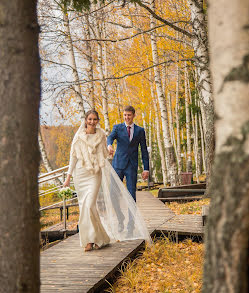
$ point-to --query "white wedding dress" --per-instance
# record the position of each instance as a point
(108, 212)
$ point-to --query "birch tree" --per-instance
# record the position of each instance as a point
(76, 87)
(200, 46)
(227, 233)
(171, 123)
(170, 158)
(45, 159)
(102, 67)
(188, 133)
(177, 110)
(160, 144)
(89, 58)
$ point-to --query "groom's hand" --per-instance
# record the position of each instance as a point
(111, 150)
(145, 175)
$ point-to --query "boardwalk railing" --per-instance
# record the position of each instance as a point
(52, 176)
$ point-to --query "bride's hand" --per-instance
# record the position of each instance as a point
(67, 182)
(111, 150)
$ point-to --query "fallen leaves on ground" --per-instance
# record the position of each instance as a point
(193, 207)
(164, 267)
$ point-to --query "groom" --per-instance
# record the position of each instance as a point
(125, 162)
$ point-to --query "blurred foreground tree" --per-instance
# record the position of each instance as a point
(19, 154)
(227, 234)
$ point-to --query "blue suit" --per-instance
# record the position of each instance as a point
(125, 161)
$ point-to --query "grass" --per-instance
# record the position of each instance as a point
(192, 207)
(180, 208)
(164, 266)
(52, 217)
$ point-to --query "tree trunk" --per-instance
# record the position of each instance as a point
(171, 123)
(158, 134)
(200, 45)
(160, 145)
(170, 158)
(177, 109)
(89, 55)
(77, 88)
(19, 152)
(144, 122)
(102, 70)
(45, 159)
(194, 120)
(227, 234)
(202, 144)
(197, 149)
(189, 147)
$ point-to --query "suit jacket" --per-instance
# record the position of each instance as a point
(127, 151)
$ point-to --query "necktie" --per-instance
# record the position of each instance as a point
(129, 131)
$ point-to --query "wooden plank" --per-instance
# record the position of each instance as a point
(190, 186)
(165, 192)
(180, 198)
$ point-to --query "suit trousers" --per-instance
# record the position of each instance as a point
(130, 173)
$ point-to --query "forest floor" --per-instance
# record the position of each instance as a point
(166, 266)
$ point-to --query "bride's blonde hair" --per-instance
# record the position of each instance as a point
(92, 111)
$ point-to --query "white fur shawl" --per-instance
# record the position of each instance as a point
(91, 149)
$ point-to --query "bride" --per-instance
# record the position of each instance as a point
(104, 202)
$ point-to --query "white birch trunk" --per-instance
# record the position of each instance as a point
(200, 45)
(150, 146)
(45, 159)
(160, 145)
(154, 155)
(227, 233)
(197, 149)
(170, 158)
(77, 88)
(101, 51)
(158, 134)
(144, 122)
(89, 54)
(189, 147)
(171, 124)
(194, 121)
(202, 145)
(177, 109)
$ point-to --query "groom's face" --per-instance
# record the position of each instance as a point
(128, 117)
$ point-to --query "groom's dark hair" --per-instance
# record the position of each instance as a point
(129, 109)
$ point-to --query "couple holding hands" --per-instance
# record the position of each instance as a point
(108, 210)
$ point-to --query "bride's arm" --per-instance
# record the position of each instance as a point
(67, 181)
(72, 163)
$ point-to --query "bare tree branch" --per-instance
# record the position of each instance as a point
(170, 24)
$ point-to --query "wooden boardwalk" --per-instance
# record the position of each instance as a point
(66, 268)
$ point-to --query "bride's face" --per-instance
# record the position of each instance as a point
(92, 121)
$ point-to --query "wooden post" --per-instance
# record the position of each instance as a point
(64, 207)
(205, 212)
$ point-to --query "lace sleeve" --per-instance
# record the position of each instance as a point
(72, 163)
(104, 146)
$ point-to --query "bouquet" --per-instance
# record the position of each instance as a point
(65, 193)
